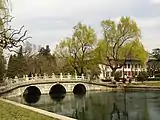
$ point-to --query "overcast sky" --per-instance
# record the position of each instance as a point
(49, 21)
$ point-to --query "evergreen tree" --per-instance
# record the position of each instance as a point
(17, 65)
(2, 67)
(21, 64)
(12, 66)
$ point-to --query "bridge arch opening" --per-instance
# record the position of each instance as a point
(32, 94)
(79, 89)
(57, 92)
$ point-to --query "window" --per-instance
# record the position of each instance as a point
(129, 66)
(133, 73)
(129, 73)
(125, 72)
(135, 65)
(136, 73)
(125, 66)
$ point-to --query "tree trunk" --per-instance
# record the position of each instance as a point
(76, 68)
(82, 71)
(113, 74)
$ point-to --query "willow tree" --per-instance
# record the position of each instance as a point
(121, 41)
(3, 12)
(77, 49)
(4, 7)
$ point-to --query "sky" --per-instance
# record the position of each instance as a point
(49, 21)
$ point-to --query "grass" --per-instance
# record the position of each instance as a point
(12, 112)
(148, 83)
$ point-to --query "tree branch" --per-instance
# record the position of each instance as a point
(9, 37)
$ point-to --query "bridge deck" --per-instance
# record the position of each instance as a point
(34, 82)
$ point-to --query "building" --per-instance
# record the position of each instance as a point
(130, 69)
(153, 66)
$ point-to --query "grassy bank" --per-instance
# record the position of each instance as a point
(148, 83)
(12, 112)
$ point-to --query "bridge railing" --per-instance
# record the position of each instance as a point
(25, 79)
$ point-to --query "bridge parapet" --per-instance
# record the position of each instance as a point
(40, 79)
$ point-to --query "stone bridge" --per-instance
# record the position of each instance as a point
(50, 85)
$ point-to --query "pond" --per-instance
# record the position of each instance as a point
(100, 105)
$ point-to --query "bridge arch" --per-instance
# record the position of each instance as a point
(57, 92)
(32, 94)
(32, 90)
(79, 89)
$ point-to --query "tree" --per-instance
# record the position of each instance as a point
(44, 61)
(29, 49)
(77, 49)
(9, 37)
(142, 76)
(156, 53)
(17, 65)
(45, 51)
(30, 53)
(21, 63)
(119, 41)
(2, 67)
(154, 63)
(12, 66)
(3, 11)
(4, 8)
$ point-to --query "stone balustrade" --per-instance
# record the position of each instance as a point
(37, 77)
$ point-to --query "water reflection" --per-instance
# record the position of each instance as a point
(103, 105)
(57, 97)
(31, 98)
(31, 94)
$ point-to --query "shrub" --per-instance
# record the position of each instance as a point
(154, 79)
(157, 75)
(117, 76)
(142, 76)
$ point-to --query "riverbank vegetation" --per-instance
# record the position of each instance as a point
(12, 112)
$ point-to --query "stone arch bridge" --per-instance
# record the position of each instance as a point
(52, 84)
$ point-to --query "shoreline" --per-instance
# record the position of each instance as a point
(37, 111)
(54, 116)
(143, 87)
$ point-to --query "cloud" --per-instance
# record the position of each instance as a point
(49, 21)
(155, 1)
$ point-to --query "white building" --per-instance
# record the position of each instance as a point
(131, 68)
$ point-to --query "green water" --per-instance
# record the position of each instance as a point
(103, 105)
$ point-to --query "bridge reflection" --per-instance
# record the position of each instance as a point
(57, 93)
(97, 105)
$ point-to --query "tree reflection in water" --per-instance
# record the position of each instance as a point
(123, 105)
(116, 114)
(80, 111)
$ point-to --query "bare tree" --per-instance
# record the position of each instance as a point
(9, 37)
